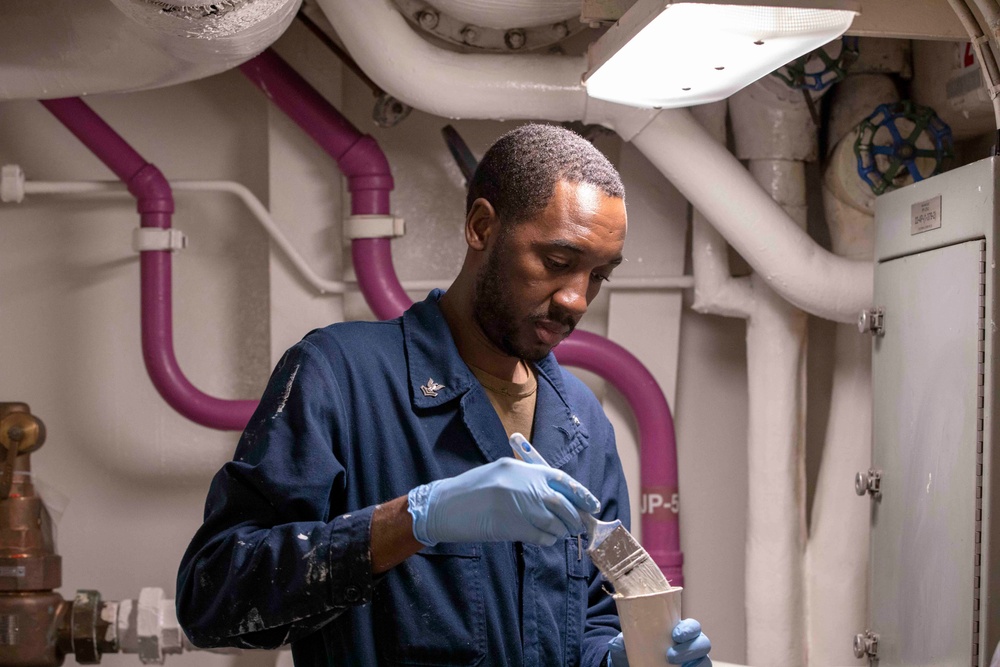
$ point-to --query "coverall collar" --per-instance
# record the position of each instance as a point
(437, 375)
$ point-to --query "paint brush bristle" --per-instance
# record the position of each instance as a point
(629, 567)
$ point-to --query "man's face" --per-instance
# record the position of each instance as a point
(541, 274)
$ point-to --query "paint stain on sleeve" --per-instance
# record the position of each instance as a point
(288, 390)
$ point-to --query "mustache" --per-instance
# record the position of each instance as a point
(559, 317)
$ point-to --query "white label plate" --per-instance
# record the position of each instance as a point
(925, 215)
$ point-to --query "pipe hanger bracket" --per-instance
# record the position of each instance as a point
(11, 183)
(373, 227)
(148, 238)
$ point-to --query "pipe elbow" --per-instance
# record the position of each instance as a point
(151, 190)
(365, 166)
(456, 85)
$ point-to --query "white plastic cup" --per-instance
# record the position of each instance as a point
(647, 621)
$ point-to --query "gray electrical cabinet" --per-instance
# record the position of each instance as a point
(934, 481)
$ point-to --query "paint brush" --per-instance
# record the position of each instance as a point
(618, 555)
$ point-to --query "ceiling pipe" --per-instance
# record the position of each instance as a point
(782, 253)
(548, 87)
(510, 13)
(66, 48)
(450, 84)
(384, 294)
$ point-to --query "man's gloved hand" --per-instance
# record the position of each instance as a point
(504, 501)
(691, 647)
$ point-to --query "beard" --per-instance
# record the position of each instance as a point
(495, 309)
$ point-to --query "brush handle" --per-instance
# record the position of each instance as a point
(523, 449)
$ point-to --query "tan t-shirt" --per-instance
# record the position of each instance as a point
(514, 402)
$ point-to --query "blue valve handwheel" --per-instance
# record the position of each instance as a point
(901, 143)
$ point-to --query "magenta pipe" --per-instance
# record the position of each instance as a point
(154, 201)
(359, 158)
(381, 288)
(658, 447)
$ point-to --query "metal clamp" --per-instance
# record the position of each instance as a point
(373, 227)
(151, 238)
(870, 482)
(866, 646)
(11, 183)
(871, 321)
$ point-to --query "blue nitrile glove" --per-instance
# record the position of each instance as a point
(616, 652)
(691, 647)
(504, 501)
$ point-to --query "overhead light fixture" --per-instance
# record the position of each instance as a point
(677, 53)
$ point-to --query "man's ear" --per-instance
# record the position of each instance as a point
(481, 224)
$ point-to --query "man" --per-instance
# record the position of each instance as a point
(374, 515)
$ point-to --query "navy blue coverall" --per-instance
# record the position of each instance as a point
(344, 424)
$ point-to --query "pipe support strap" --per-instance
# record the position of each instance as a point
(11, 183)
(373, 227)
(150, 238)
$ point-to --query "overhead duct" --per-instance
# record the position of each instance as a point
(67, 48)
(233, 30)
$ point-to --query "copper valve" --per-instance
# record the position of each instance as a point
(38, 628)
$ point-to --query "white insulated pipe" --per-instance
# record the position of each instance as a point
(716, 291)
(450, 84)
(505, 14)
(776, 344)
(68, 48)
(776, 377)
(715, 183)
(837, 551)
(263, 216)
(775, 543)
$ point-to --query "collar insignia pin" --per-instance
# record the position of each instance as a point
(432, 388)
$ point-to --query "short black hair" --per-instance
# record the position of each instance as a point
(518, 174)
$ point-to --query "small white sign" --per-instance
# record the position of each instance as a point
(925, 216)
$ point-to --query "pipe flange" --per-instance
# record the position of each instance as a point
(429, 20)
